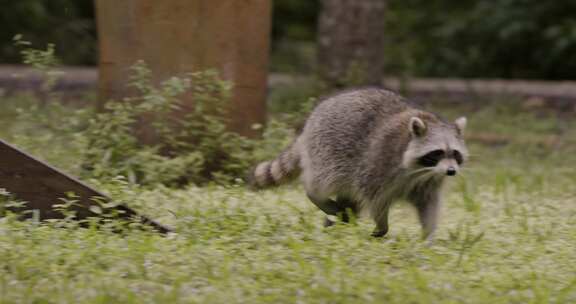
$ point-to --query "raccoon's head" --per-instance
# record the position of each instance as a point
(436, 146)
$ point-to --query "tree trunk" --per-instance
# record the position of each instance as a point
(180, 36)
(351, 41)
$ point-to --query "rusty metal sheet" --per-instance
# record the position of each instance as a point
(42, 186)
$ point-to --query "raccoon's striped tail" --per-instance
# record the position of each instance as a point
(275, 172)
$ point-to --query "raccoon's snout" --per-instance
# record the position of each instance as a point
(451, 171)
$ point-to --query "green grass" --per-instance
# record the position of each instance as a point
(507, 235)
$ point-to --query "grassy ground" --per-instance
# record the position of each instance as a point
(507, 234)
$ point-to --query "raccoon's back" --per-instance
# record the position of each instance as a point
(338, 130)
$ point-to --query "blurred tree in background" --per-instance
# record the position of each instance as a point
(351, 42)
(435, 38)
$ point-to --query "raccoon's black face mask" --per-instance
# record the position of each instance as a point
(431, 159)
(444, 162)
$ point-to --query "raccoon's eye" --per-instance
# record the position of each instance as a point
(431, 159)
(458, 157)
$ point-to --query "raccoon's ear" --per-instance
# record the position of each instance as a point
(417, 127)
(461, 124)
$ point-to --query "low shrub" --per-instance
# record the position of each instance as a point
(169, 147)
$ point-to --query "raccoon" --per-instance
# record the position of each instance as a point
(362, 150)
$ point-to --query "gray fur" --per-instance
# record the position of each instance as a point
(359, 150)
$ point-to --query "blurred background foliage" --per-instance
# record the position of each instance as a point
(69, 24)
(528, 39)
(495, 39)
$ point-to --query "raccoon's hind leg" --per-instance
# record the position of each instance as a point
(346, 207)
(332, 207)
(324, 203)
